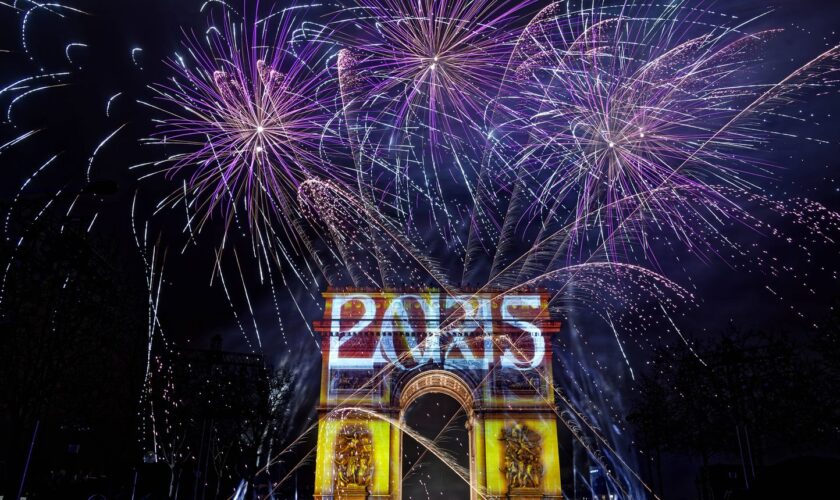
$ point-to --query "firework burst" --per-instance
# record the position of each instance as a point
(251, 111)
(416, 78)
(625, 121)
(437, 61)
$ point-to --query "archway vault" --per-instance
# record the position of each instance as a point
(383, 350)
(438, 381)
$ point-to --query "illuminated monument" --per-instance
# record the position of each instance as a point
(490, 352)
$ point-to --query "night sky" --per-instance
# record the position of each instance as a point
(72, 121)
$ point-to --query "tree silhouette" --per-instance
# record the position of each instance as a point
(737, 396)
(70, 352)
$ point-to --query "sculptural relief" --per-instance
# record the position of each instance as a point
(353, 457)
(523, 457)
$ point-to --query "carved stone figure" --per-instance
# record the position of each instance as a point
(353, 456)
(523, 462)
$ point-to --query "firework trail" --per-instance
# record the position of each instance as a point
(462, 145)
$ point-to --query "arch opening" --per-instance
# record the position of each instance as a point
(444, 413)
(443, 421)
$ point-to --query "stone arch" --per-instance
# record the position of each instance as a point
(439, 381)
(356, 374)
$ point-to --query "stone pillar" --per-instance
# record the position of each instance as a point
(396, 461)
(478, 467)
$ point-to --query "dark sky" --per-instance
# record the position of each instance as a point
(73, 121)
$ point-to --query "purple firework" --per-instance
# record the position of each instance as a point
(636, 119)
(253, 111)
(435, 59)
(423, 72)
(417, 79)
